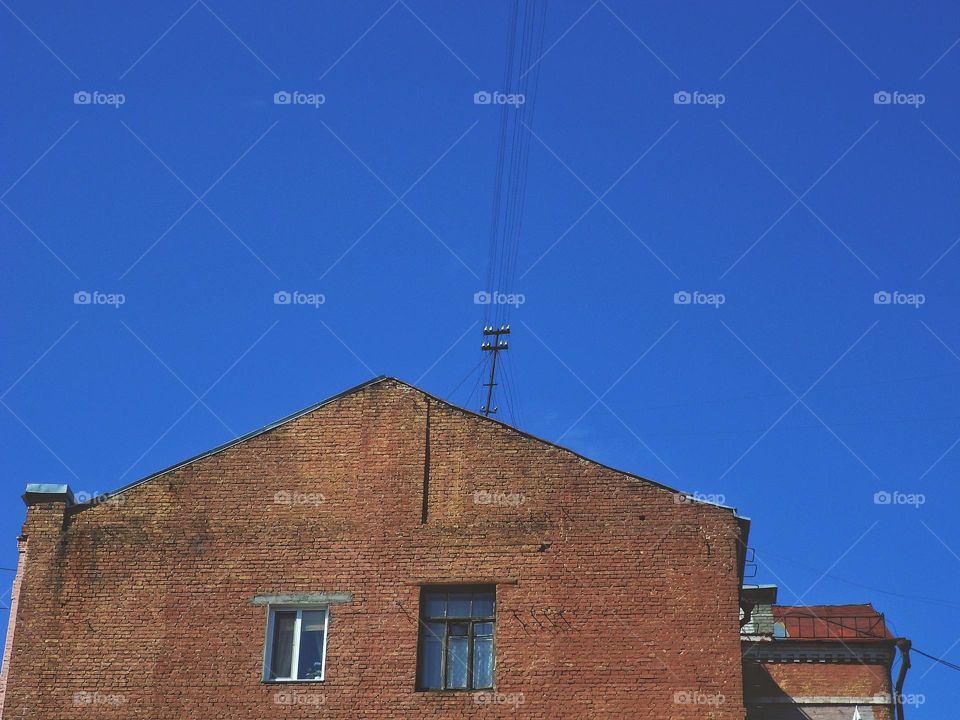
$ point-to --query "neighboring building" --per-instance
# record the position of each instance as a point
(818, 662)
(383, 554)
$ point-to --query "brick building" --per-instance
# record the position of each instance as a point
(818, 662)
(382, 554)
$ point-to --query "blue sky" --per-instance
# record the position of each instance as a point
(794, 199)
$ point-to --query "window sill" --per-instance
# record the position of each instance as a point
(454, 691)
(290, 681)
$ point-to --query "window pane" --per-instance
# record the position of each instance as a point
(459, 629)
(483, 604)
(485, 629)
(310, 662)
(435, 604)
(281, 659)
(457, 654)
(459, 605)
(483, 663)
(431, 653)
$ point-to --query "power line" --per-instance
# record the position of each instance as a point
(860, 631)
(509, 392)
(913, 648)
(513, 397)
(476, 382)
(517, 99)
(905, 596)
(945, 663)
(464, 379)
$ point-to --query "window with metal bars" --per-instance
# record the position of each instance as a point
(456, 638)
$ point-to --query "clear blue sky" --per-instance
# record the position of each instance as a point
(797, 199)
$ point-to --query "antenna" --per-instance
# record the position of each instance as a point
(493, 347)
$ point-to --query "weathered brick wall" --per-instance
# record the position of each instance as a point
(146, 600)
(11, 620)
(805, 680)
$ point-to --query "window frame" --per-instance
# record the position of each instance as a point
(272, 611)
(471, 621)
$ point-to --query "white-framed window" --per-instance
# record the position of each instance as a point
(296, 647)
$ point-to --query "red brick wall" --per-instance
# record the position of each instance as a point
(146, 601)
(805, 679)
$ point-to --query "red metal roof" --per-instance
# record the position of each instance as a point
(830, 623)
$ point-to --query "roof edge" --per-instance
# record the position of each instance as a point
(229, 444)
(370, 383)
(523, 433)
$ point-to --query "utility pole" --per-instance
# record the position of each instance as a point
(493, 347)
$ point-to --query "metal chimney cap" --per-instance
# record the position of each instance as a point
(48, 492)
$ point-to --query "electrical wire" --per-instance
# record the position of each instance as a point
(514, 398)
(913, 648)
(476, 384)
(525, 40)
(462, 381)
(508, 394)
(904, 596)
(945, 663)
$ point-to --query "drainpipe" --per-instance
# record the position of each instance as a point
(904, 646)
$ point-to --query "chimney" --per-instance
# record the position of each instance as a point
(46, 508)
